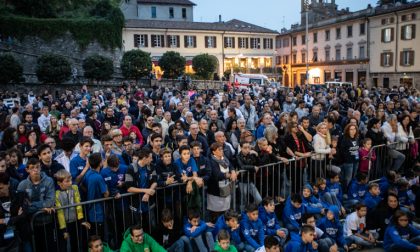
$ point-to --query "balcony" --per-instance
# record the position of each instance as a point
(342, 61)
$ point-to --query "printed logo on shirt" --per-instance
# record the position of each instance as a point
(107, 178)
(405, 237)
(296, 216)
(202, 167)
(331, 231)
(271, 222)
(189, 169)
(80, 168)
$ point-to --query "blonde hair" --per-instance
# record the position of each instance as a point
(61, 175)
(327, 135)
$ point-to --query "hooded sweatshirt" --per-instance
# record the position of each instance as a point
(148, 243)
(371, 201)
(202, 227)
(333, 228)
(336, 189)
(235, 235)
(292, 215)
(312, 204)
(41, 195)
(400, 236)
(253, 231)
(269, 220)
(357, 190)
(297, 245)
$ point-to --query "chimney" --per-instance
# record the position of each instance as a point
(220, 18)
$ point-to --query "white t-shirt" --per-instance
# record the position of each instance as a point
(354, 222)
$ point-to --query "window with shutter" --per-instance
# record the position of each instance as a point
(136, 40)
(153, 37)
(206, 41)
(194, 41)
(411, 58)
(407, 58)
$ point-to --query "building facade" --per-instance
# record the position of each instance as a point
(372, 46)
(237, 45)
(394, 59)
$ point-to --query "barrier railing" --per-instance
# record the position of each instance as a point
(393, 156)
(110, 217)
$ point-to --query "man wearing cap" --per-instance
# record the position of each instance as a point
(117, 143)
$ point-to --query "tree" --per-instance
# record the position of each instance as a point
(10, 69)
(53, 68)
(173, 65)
(204, 65)
(136, 64)
(97, 67)
(34, 8)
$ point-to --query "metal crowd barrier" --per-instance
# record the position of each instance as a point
(277, 180)
(393, 156)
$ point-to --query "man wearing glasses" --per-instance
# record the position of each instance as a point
(135, 239)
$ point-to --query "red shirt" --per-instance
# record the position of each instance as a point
(126, 132)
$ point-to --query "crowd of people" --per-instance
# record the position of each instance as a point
(343, 175)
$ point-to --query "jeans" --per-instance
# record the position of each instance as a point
(181, 245)
(246, 190)
(325, 244)
(397, 159)
(359, 241)
(349, 204)
(244, 247)
(201, 245)
(331, 199)
(282, 241)
(348, 171)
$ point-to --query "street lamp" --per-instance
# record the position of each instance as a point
(307, 40)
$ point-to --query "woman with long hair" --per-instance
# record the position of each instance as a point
(21, 132)
(299, 149)
(9, 140)
(106, 128)
(53, 130)
(321, 143)
(29, 149)
(232, 133)
(405, 137)
(349, 153)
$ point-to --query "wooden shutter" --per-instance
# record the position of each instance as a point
(246, 43)
(391, 59)
(413, 31)
(206, 41)
(392, 34)
(214, 42)
(153, 40)
(239, 42)
(168, 41)
(233, 42)
(185, 41)
(258, 43)
(271, 43)
(225, 42)
(401, 58)
(382, 59)
(383, 35)
(411, 59)
(264, 43)
(177, 41)
(146, 40)
(194, 41)
(403, 30)
(136, 40)
(162, 39)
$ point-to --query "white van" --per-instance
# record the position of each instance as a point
(337, 84)
(247, 80)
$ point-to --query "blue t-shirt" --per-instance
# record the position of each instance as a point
(96, 187)
(188, 168)
(112, 177)
(76, 166)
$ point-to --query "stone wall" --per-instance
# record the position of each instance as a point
(30, 49)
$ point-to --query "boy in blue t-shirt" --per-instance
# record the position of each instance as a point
(96, 189)
(357, 190)
(372, 197)
(114, 176)
(78, 164)
(187, 168)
